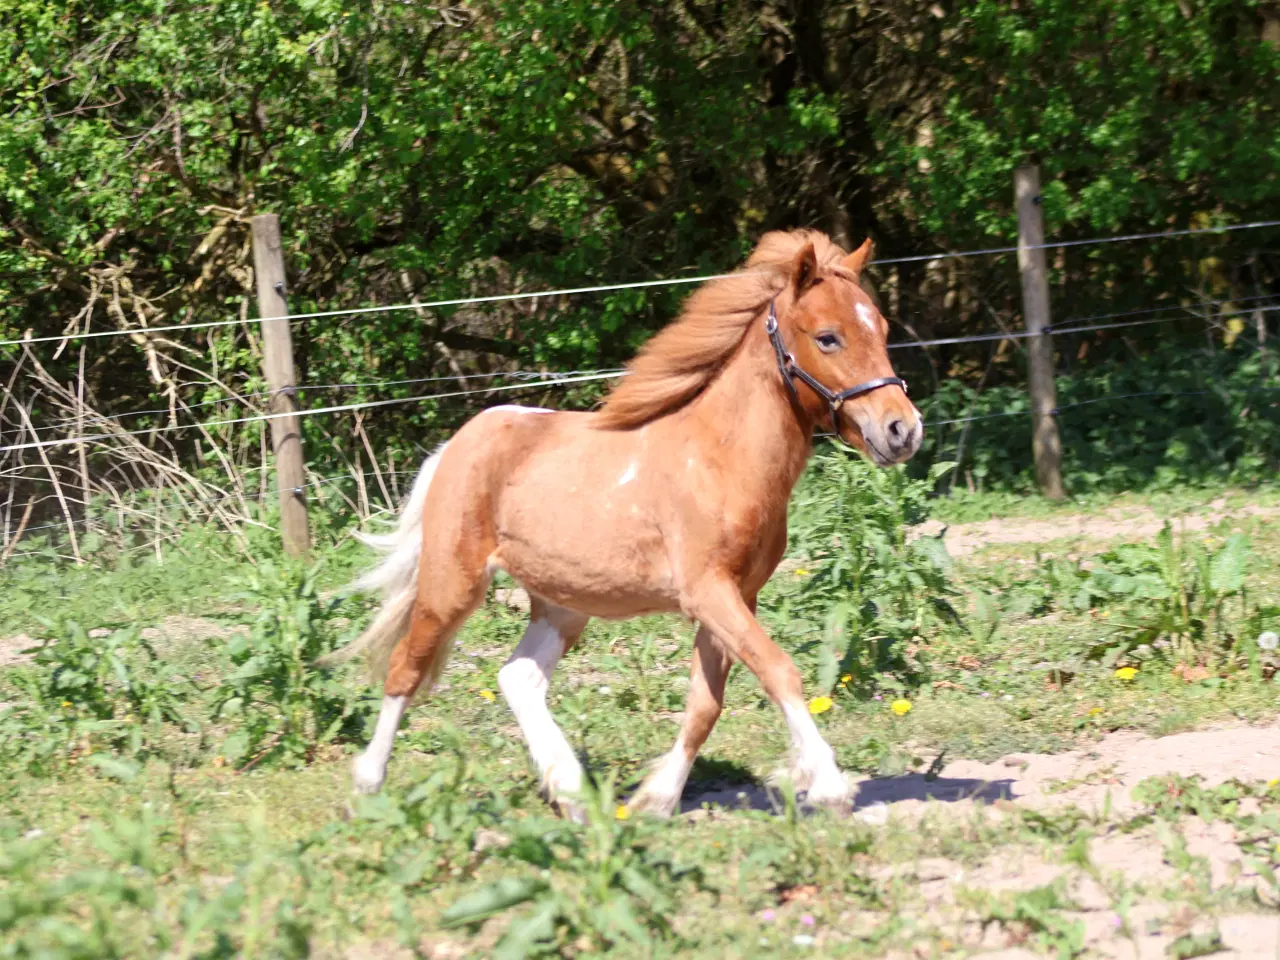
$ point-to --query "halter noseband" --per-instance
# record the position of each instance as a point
(790, 371)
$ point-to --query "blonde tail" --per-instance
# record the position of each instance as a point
(396, 578)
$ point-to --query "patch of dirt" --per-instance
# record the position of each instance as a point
(11, 648)
(180, 629)
(1090, 778)
(1117, 523)
(370, 950)
(1096, 778)
(172, 630)
(516, 598)
(1118, 762)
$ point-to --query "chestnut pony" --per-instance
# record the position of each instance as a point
(672, 497)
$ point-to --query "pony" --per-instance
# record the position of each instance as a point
(671, 497)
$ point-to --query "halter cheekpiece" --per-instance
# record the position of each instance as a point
(791, 371)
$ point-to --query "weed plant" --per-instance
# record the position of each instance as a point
(282, 703)
(103, 697)
(1176, 599)
(859, 598)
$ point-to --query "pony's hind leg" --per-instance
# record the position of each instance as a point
(524, 679)
(661, 790)
(419, 657)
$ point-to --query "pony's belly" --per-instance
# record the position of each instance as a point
(579, 522)
(614, 605)
(591, 561)
(612, 583)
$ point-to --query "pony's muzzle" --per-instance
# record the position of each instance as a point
(903, 436)
(895, 437)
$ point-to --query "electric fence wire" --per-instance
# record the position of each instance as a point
(637, 285)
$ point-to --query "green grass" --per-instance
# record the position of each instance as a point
(179, 844)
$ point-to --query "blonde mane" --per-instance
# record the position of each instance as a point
(680, 360)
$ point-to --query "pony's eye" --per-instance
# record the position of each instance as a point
(827, 342)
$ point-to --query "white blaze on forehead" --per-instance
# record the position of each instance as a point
(867, 315)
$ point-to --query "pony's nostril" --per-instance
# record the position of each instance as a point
(897, 431)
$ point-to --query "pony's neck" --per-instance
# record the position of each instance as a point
(748, 412)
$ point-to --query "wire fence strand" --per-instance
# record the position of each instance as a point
(611, 287)
(340, 408)
(525, 379)
(1057, 329)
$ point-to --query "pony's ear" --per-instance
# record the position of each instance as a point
(855, 261)
(804, 268)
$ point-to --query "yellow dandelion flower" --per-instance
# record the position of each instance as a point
(488, 695)
(66, 703)
(622, 813)
(801, 572)
(901, 707)
(846, 678)
(1126, 673)
(820, 705)
(1096, 711)
(1273, 783)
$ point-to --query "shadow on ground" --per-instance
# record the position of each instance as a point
(753, 795)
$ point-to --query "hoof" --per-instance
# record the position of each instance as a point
(367, 776)
(833, 793)
(799, 779)
(653, 804)
(569, 810)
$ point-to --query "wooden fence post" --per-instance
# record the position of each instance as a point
(277, 364)
(1046, 446)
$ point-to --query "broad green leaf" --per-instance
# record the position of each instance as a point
(1229, 565)
(1191, 945)
(495, 898)
(638, 884)
(525, 933)
(622, 917)
(987, 614)
(409, 870)
(115, 767)
(940, 469)
(235, 746)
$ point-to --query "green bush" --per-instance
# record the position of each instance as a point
(598, 882)
(1199, 416)
(135, 904)
(282, 705)
(86, 694)
(861, 598)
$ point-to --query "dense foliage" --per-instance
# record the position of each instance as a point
(431, 151)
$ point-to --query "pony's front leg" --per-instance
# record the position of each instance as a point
(660, 793)
(719, 606)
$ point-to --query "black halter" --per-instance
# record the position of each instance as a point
(790, 371)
